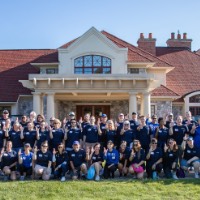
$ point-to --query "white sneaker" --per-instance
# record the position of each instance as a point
(62, 179)
(196, 175)
(21, 178)
(174, 177)
(97, 178)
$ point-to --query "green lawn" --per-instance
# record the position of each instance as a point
(116, 189)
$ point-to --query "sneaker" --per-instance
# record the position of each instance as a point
(196, 175)
(83, 177)
(1, 173)
(154, 176)
(62, 179)
(97, 178)
(21, 178)
(174, 177)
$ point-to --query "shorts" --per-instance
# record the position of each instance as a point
(185, 164)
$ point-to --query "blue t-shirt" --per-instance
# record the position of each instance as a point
(153, 128)
(30, 137)
(91, 133)
(143, 135)
(58, 136)
(155, 156)
(197, 137)
(134, 124)
(162, 137)
(27, 159)
(112, 157)
(178, 133)
(111, 135)
(72, 135)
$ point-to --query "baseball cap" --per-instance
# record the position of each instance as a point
(103, 115)
(76, 143)
(27, 145)
(71, 114)
(110, 141)
(190, 139)
(5, 112)
(154, 116)
(120, 114)
(170, 114)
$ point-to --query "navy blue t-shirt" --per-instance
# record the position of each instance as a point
(143, 135)
(30, 137)
(97, 157)
(162, 136)
(78, 157)
(44, 136)
(14, 136)
(112, 157)
(58, 136)
(190, 152)
(60, 158)
(43, 158)
(102, 137)
(8, 158)
(124, 155)
(128, 136)
(178, 133)
(72, 135)
(2, 137)
(111, 135)
(91, 133)
(138, 156)
(134, 124)
(155, 156)
(170, 156)
(27, 159)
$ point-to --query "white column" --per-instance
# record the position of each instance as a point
(142, 105)
(50, 105)
(132, 103)
(36, 102)
(187, 107)
(147, 104)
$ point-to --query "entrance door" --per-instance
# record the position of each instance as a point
(94, 110)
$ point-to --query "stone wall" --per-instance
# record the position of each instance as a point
(178, 109)
(64, 107)
(25, 105)
(162, 107)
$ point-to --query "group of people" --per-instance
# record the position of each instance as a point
(94, 149)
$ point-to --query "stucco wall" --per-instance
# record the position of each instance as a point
(25, 105)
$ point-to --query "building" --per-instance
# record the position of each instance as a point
(100, 73)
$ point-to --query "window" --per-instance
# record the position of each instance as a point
(153, 109)
(133, 70)
(51, 71)
(92, 64)
(195, 99)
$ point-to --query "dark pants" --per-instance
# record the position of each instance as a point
(167, 167)
(150, 171)
(23, 169)
(61, 171)
(109, 172)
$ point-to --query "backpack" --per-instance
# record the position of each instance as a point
(180, 173)
(91, 173)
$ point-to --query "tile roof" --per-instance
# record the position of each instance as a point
(15, 65)
(136, 54)
(184, 78)
(163, 91)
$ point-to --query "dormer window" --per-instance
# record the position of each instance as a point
(92, 64)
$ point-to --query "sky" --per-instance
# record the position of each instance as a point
(48, 24)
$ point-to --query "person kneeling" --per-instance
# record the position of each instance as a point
(137, 159)
(43, 160)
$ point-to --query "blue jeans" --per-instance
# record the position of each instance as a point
(61, 171)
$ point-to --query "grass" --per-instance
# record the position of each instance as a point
(106, 190)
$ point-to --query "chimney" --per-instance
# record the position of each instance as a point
(147, 44)
(178, 42)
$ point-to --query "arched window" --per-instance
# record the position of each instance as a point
(195, 99)
(92, 64)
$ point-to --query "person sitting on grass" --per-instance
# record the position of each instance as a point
(124, 153)
(96, 159)
(25, 161)
(137, 160)
(43, 160)
(111, 156)
(78, 161)
(8, 161)
(190, 156)
(60, 160)
(154, 160)
(170, 159)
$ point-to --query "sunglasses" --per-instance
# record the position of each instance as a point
(126, 124)
(60, 147)
(73, 122)
(170, 142)
(154, 143)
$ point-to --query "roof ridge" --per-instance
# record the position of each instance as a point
(25, 49)
(169, 89)
(132, 46)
